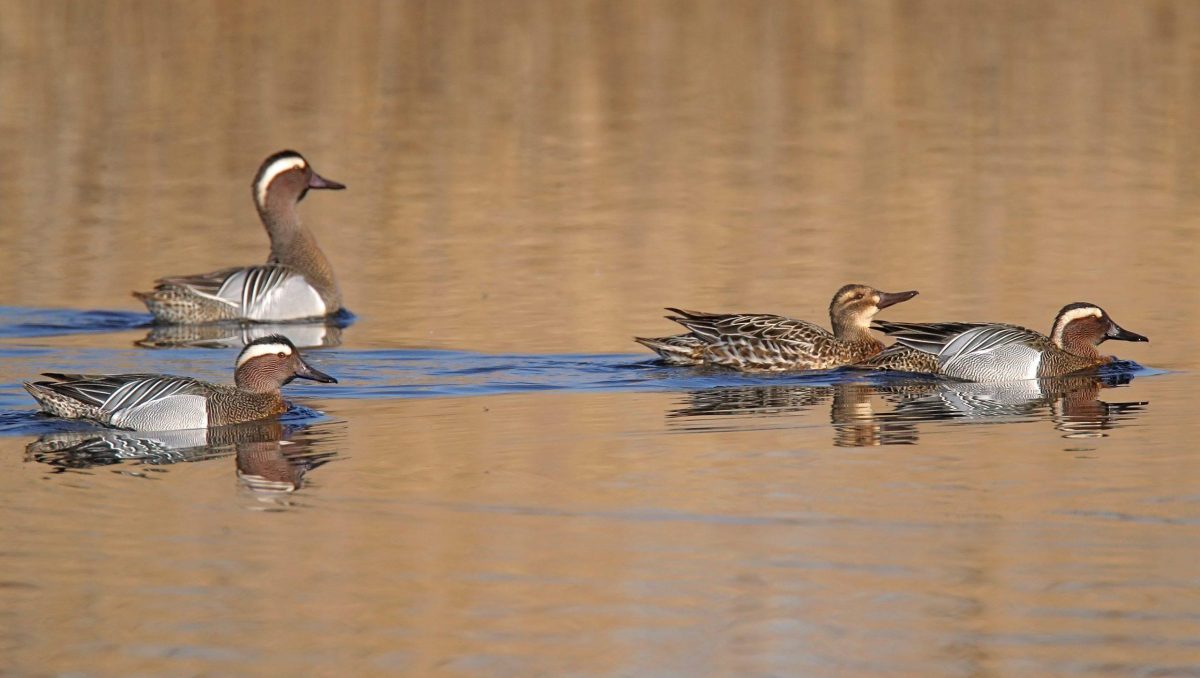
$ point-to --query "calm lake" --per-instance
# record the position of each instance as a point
(503, 483)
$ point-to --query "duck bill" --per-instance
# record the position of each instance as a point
(318, 181)
(892, 298)
(306, 371)
(1119, 333)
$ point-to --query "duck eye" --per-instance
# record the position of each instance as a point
(281, 354)
(858, 295)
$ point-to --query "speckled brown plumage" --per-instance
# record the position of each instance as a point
(185, 299)
(764, 342)
(901, 358)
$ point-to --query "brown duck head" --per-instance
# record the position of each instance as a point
(854, 305)
(283, 180)
(1080, 327)
(266, 364)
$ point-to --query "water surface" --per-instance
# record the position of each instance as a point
(502, 483)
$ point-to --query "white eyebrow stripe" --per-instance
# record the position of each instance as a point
(273, 170)
(262, 349)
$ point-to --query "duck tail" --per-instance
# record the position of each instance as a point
(682, 349)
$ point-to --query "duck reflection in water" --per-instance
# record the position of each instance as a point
(323, 334)
(852, 412)
(277, 467)
(267, 459)
(1070, 403)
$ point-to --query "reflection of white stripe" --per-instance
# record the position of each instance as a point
(262, 349)
(276, 168)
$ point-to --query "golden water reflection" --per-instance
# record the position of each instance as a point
(864, 414)
(488, 533)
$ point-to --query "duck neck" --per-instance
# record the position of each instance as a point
(852, 332)
(295, 246)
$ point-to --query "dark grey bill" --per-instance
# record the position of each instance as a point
(889, 298)
(1119, 333)
(318, 181)
(306, 371)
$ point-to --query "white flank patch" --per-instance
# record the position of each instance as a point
(1070, 317)
(276, 168)
(292, 298)
(262, 349)
(174, 412)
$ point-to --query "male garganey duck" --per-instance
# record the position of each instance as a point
(296, 282)
(159, 402)
(998, 352)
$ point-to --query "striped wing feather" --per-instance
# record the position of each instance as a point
(116, 392)
(926, 337)
(985, 339)
(958, 338)
(243, 285)
(729, 328)
(256, 283)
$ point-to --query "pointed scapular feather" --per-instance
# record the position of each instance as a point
(91, 389)
(141, 391)
(926, 337)
(984, 339)
(260, 280)
(120, 391)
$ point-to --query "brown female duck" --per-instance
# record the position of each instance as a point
(762, 342)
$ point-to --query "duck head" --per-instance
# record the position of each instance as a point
(1080, 327)
(284, 179)
(266, 364)
(854, 305)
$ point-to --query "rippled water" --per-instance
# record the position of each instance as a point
(502, 483)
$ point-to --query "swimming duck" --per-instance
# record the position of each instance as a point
(159, 402)
(999, 352)
(297, 280)
(757, 342)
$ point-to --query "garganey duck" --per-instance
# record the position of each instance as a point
(296, 282)
(757, 342)
(999, 352)
(159, 402)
